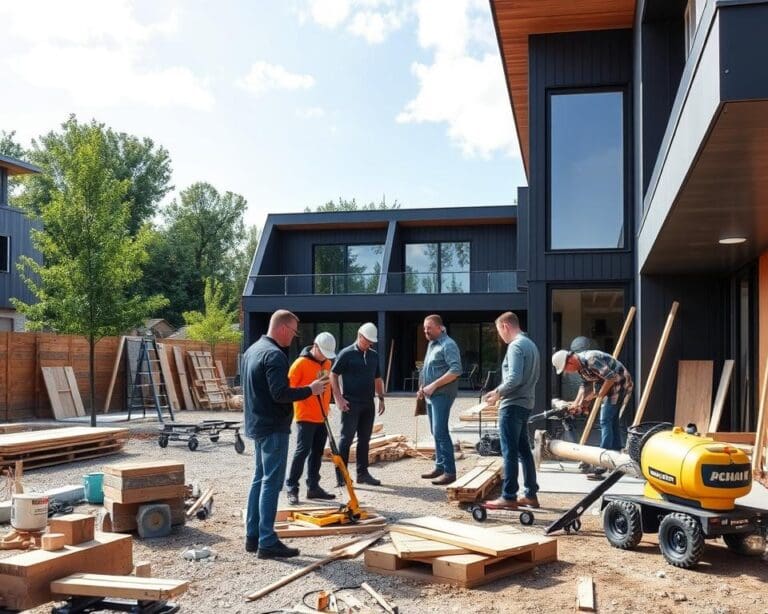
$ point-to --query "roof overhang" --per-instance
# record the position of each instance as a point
(18, 167)
(516, 20)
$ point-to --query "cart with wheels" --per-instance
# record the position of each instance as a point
(190, 432)
(525, 515)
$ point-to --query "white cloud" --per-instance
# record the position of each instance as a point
(373, 20)
(374, 26)
(311, 113)
(96, 52)
(462, 88)
(264, 77)
(329, 13)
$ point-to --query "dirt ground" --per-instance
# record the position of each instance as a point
(634, 581)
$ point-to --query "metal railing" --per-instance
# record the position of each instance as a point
(446, 282)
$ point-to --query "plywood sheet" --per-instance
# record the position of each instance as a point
(694, 393)
(62, 390)
(181, 368)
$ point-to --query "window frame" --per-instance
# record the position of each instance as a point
(9, 260)
(626, 135)
(345, 273)
(439, 272)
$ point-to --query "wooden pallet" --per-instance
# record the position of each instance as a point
(477, 483)
(465, 570)
(211, 392)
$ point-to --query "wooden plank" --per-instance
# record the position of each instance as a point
(76, 528)
(69, 373)
(411, 547)
(147, 481)
(56, 437)
(59, 393)
(178, 355)
(201, 501)
(743, 438)
(138, 470)
(585, 594)
(115, 369)
(722, 393)
(760, 432)
(170, 386)
(694, 393)
(295, 530)
(145, 495)
(121, 587)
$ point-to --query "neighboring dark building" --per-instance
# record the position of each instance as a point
(393, 267)
(15, 241)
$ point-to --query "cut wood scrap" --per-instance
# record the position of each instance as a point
(142, 569)
(76, 528)
(585, 594)
(389, 608)
(413, 547)
(350, 552)
(201, 501)
(721, 395)
(346, 544)
(53, 541)
(121, 587)
(355, 605)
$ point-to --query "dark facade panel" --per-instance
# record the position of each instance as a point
(574, 61)
(296, 248)
(744, 74)
(3, 187)
(17, 226)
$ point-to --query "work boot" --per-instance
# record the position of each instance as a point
(528, 501)
(278, 551)
(367, 478)
(502, 504)
(435, 473)
(446, 478)
(319, 493)
(293, 497)
(251, 544)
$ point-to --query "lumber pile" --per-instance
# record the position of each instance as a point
(129, 486)
(382, 448)
(436, 550)
(482, 411)
(477, 483)
(287, 527)
(60, 445)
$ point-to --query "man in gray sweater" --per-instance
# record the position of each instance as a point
(516, 398)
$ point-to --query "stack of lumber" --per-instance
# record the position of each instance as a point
(381, 447)
(208, 388)
(477, 483)
(286, 526)
(481, 411)
(436, 550)
(25, 578)
(60, 445)
(128, 486)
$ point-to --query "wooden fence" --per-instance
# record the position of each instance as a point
(22, 389)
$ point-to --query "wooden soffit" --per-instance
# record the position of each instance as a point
(516, 20)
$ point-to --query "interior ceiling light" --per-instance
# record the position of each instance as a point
(732, 240)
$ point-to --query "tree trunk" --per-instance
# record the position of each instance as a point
(92, 377)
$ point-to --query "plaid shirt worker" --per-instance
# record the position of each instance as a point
(596, 367)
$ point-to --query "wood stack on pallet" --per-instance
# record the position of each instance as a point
(62, 445)
(436, 550)
(129, 486)
(477, 483)
(482, 411)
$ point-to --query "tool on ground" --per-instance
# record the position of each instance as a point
(345, 514)
(692, 483)
(488, 443)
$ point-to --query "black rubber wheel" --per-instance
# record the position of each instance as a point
(747, 544)
(621, 523)
(193, 443)
(214, 438)
(353, 518)
(239, 445)
(527, 518)
(479, 513)
(681, 540)
(576, 525)
(162, 441)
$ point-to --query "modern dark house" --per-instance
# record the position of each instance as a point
(15, 241)
(643, 126)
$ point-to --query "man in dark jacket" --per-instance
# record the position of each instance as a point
(268, 399)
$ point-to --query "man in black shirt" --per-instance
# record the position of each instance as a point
(358, 368)
(268, 399)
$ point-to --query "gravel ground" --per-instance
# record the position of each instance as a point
(625, 581)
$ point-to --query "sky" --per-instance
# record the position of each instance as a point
(290, 103)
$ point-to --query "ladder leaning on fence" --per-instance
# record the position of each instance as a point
(148, 389)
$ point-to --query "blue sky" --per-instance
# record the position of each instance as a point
(287, 102)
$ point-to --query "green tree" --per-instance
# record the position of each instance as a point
(351, 205)
(242, 260)
(215, 325)
(144, 167)
(90, 260)
(9, 146)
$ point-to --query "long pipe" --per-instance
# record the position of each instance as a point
(545, 448)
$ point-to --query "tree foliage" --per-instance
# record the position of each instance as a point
(91, 261)
(352, 205)
(214, 326)
(9, 146)
(145, 168)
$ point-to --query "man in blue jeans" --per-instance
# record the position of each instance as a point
(268, 399)
(439, 385)
(516, 397)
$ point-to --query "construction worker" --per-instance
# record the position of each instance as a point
(516, 397)
(596, 368)
(355, 378)
(268, 399)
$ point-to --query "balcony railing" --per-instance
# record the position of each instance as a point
(461, 282)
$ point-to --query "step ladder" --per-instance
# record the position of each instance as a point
(148, 389)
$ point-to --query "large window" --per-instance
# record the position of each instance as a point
(5, 254)
(481, 352)
(586, 174)
(345, 334)
(347, 269)
(437, 267)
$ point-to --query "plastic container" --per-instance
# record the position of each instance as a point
(29, 512)
(93, 485)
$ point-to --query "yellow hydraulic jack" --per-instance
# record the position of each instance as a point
(346, 514)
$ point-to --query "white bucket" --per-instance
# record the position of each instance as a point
(29, 512)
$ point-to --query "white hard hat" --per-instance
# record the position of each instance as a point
(368, 330)
(559, 359)
(326, 343)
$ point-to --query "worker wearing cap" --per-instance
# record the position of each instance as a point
(596, 368)
(355, 378)
(309, 416)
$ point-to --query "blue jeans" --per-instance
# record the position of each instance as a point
(610, 432)
(271, 455)
(513, 432)
(439, 410)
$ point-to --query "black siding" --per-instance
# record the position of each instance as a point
(14, 224)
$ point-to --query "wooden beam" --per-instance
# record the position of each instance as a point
(760, 434)
(115, 369)
(585, 594)
(120, 587)
(720, 396)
